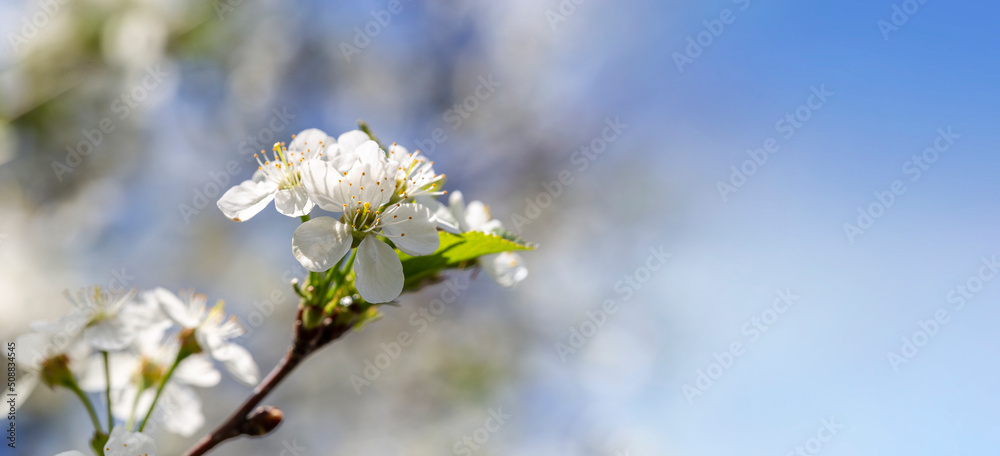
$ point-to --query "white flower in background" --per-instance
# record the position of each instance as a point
(136, 373)
(213, 332)
(150, 325)
(101, 316)
(124, 443)
(362, 194)
(179, 408)
(39, 351)
(506, 268)
(276, 179)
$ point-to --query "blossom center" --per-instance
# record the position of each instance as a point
(282, 166)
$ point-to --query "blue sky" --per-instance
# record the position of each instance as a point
(783, 228)
(658, 185)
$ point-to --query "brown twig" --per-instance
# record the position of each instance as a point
(306, 341)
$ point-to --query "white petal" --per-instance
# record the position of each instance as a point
(490, 226)
(370, 152)
(123, 443)
(350, 141)
(180, 410)
(457, 206)
(293, 202)
(369, 182)
(322, 182)
(26, 383)
(442, 214)
(399, 154)
(506, 269)
(67, 327)
(123, 365)
(77, 352)
(309, 143)
(71, 453)
(150, 341)
(340, 161)
(378, 271)
(345, 154)
(147, 316)
(259, 176)
(109, 334)
(92, 381)
(476, 215)
(197, 370)
(320, 243)
(247, 199)
(239, 362)
(121, 406)
(33, 349)
(177, 310)
(208, 340)
(411, 227)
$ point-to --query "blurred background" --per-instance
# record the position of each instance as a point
(777, 198)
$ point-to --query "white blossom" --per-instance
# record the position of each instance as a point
(363, 194)
(36, 349)
(344, 151)
(415, 174)
(149, 359)
(124, 443)
(277, 178)
(100, 316)
(213, 332)
(506, 268)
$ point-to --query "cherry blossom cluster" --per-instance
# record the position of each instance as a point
(386, 200)
(386, 232)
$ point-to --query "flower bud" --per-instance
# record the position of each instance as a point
(262, 421)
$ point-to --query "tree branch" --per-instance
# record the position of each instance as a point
(306, 341)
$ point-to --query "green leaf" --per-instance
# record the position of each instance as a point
(457, 251)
